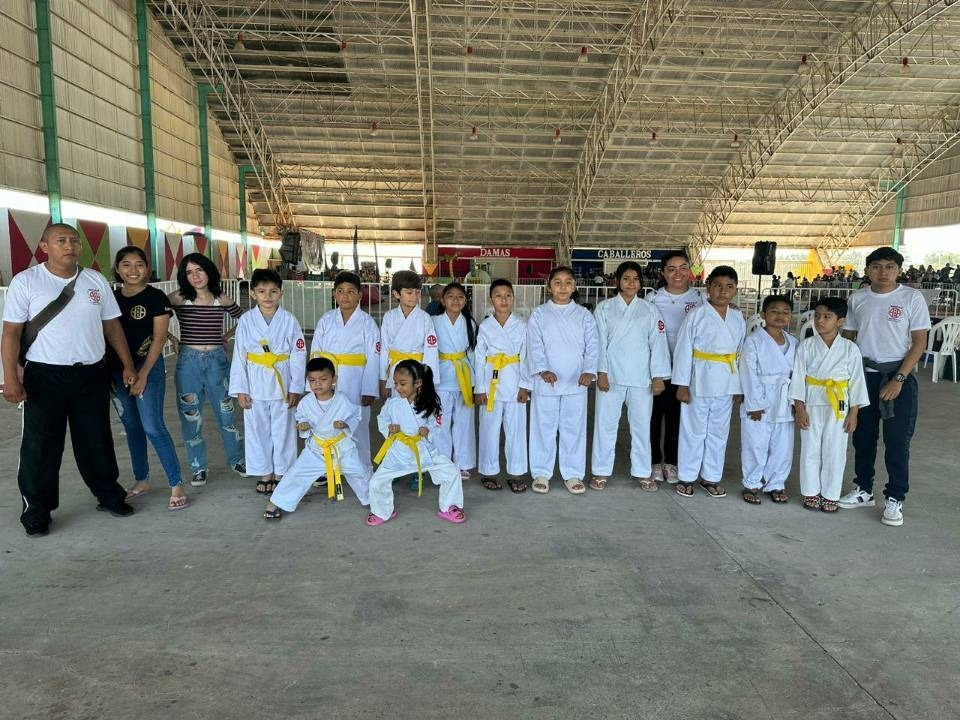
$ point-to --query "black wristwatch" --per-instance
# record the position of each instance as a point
(899, 377)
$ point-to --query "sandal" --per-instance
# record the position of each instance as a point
(828, 506)
(177, 502)
(452, 514)
(598, 483)
(812, 502)
(275, 514)
(541, 485)
(685, 489)
(714, 490)
(751, 496)
(374, 520)
(265, 486)
(491, 483)
(648, 484)
(575, 486)
(778, 496)
(135, 492)
(516, 485)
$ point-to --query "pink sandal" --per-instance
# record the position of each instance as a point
(374, 520)
(452, 514)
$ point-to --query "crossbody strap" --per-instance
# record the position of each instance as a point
(32, 328)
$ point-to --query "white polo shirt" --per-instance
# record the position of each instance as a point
(76, 334)
(884, 321)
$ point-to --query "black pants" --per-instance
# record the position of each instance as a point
(897, 432)
(56, 395)
(666, 412)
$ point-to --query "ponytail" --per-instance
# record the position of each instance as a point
(428, 401)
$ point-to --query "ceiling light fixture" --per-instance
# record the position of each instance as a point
(469, 51)
(374, 128)
(238, 45)
(804, 67)
(735, 143)
(474, 133)
(583, 55)
(556, 136)
(653, 137)
(905, 66)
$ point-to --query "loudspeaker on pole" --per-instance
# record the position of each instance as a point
(764, 258)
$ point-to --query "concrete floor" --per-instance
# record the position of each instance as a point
(619, 604)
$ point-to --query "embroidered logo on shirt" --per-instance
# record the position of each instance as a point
(661, 326)
(439, 419)
(432, 340)
(895, 312)
(94, 296)
(300, 344)
(378, 346)
(688, 307)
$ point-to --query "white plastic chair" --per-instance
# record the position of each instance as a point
(948, 332)
(803, 319)
(754, 322)
(806, 330)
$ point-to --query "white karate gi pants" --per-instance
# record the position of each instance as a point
(823, 454)
(704, 428)
(766, 453)
(270, 437)
(442, 472)
(362, 439)
(456, 437)
(512, 416)
(566, 414)
(297, 481)
(606, 425)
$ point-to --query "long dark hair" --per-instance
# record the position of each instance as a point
(471, 323)
(206, 264)
(428, 401)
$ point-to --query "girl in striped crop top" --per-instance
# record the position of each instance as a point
(202, 363)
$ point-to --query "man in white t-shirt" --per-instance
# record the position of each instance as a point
(889, 322)
(65, 379)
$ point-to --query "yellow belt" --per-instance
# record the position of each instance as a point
(331, 458)
(396, 356)
(338, 359)
(462, 367)
(728, 358)
(499, 362)
(270, 360)
(834, 390)
(411, 442)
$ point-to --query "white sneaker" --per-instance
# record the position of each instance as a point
(671, 474)
(856, 499)
(893, 513)
(657, 473)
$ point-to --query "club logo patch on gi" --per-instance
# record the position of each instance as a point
(432, 340)
(439, 419)
(94, 296)
(688, 307)
(895, 312)
(378, 346)
(661, 326)
(301, 344)
(138, 312)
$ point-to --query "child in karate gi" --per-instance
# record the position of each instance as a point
(406, 332)
(327, 419)
(705, 373)
(406, 421)
(828, 389)
(349, 338)
(266, 377)
(766, 415)
(562, 348)
(633, 362)
(457, 340)
(502, 390)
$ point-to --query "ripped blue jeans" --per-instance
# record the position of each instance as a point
(204, 374)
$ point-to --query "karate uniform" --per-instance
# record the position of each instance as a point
(500, 344)
(766, 445)
(705, 420)
(823, 446)
(358, 336)
(411, 335)
(632, 351)
(401, 461)
(561, 339)
(312, 463)
(456, 435)
(269, 361)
